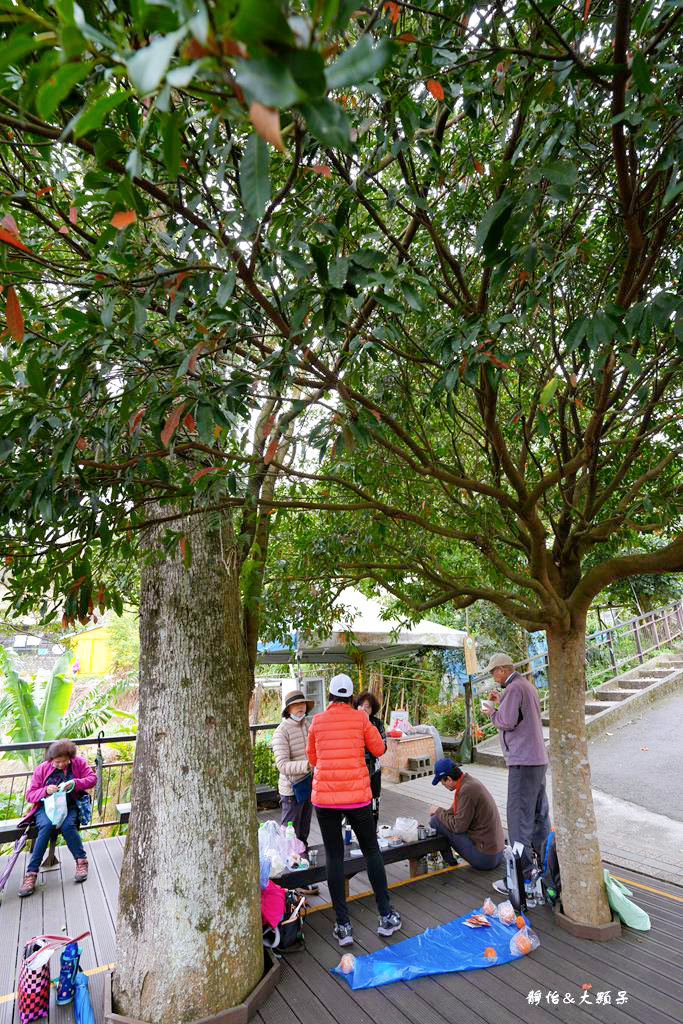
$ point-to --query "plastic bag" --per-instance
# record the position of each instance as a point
(505, 912)
(629, 912)
(524, 941)
(56, 808)
(406, 828)
(277, 849)
(489, 907)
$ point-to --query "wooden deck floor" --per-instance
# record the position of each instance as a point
(647, 967)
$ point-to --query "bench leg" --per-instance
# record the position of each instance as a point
(414, 864)
(346, 888)
(51, 857)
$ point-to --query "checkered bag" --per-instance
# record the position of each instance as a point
(34, 975)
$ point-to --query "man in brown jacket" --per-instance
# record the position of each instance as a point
(473, 826)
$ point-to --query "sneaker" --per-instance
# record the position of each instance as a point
(81, 870)
(449, 858)
(29, 883)
(501, 886)
(389, 924)
(343, 933)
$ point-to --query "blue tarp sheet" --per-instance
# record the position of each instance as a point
(443, 950)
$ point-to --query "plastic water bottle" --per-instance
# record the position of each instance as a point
(347, 835)
(289, 831)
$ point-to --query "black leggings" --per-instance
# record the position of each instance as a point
(376, 788)
(362, 822)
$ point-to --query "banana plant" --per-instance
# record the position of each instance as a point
(32, 711)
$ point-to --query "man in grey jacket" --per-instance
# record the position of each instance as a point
(518, 720)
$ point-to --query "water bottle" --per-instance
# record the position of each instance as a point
(347, 834)
(289, 831)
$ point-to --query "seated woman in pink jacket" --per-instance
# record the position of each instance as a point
(60, 765)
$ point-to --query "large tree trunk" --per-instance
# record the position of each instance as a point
(583, 892)
(189, 926)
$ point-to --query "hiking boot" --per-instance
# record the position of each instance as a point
(389, 924)
(501, 886)
(343, 933)
(29, 883)
(81, 870)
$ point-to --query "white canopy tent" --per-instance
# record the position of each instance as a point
(362, 635)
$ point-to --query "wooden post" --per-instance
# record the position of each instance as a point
(610, 641)
(636, 630)
(667, 628)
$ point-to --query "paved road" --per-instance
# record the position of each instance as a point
(652, 778)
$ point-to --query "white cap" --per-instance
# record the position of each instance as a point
(499, 660)
(341, 685)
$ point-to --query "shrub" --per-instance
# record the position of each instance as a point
(449, 719)
(265, 769)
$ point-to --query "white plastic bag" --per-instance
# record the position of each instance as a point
(406, 828)
(274, 847)
(56, 808)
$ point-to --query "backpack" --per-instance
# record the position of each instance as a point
(550, 875)
(288, 935)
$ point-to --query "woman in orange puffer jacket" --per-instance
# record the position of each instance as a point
(336, 746)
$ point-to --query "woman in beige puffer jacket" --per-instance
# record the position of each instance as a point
(289, 748)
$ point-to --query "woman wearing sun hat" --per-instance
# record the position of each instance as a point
(289, 748)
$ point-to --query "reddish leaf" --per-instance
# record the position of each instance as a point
(322, 169)
(407, 37)
(196, 352)
(190, 423)
(572, 380)
(478, 166)
(64, 230)
(498, 362)
(15, 318)
(586, 10)
(65, 621)
(270, 453)
(376, 413)
(73, 214)
(43, 191)
(393, 11)
(135, 422)
(266, 121)
(9, 559)
(436, 89)
(11, 239)
(204, 472)
(183, 549)
(81, 444)
(122, 219)
(171, 424)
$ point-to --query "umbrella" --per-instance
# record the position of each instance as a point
(99, 761)
(18, 847)
(83, 1011)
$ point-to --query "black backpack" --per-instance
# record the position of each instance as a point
(288, 936)
(550, 877)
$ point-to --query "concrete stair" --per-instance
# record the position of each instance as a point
(614, 701)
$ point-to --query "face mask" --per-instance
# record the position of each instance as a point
(297, 718)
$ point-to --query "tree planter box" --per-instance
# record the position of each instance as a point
(235, 1015)
(596, 933)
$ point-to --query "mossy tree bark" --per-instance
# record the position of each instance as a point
(189, 926)
(583, 891)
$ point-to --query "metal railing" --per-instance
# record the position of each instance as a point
(116, 781)
(610, 651)
(116, 778)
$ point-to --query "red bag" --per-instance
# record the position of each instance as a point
(33, 997)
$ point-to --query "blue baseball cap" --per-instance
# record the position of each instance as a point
(443, 768)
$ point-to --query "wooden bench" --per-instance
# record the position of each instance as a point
(412, 852)
(266, 796)
(10, 832)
